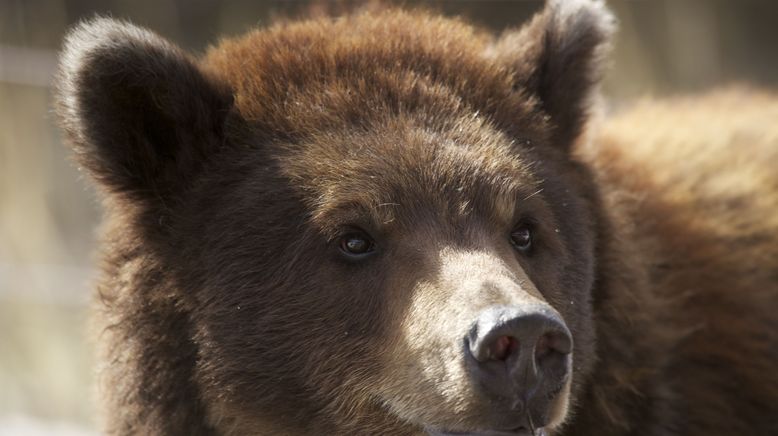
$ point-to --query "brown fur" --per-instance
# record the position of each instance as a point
(691, 180)
(226, 307)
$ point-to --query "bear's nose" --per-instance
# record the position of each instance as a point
(520, 347)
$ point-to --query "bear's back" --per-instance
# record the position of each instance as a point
(694, 183)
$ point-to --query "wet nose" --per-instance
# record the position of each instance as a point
(531, 344)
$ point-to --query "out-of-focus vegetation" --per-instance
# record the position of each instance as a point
(48, 214)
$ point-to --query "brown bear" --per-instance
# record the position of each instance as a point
(391, 222)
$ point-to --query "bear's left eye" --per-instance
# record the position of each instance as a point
(521, 238)
(356, 244)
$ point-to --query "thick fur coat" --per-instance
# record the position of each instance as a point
(237, 185)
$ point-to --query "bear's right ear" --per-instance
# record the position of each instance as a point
(142, 117)
(556, 60)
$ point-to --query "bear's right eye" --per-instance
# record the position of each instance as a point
(521, 238)
(356, 244)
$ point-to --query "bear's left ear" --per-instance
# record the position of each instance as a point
(140, 114)
(557, 59)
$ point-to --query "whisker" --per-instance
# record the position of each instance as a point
(533, 194)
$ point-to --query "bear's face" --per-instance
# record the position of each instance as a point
(356, 266)
(389, 236)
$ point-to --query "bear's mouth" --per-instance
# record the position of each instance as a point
(518, 431)
(519, 426)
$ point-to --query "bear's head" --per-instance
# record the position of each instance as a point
(370, 223)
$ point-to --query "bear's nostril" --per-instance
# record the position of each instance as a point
(503, 347)
(543, 346)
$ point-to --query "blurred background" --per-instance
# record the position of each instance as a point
(48, 213)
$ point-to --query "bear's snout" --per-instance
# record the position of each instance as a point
(521, 354)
